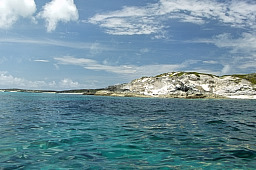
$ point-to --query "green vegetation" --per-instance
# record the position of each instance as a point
(250, 77)
(178, 74)
(84, 91)
(195, 73)
(161, 75)
(144, 77)
(237, 81)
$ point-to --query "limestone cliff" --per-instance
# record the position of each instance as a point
(187, 85)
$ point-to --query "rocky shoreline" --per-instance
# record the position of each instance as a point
(189, 85)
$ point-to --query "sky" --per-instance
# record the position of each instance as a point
(76, 44)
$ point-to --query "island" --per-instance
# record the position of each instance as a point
(191, 85)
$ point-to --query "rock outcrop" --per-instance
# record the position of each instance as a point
(187, 85)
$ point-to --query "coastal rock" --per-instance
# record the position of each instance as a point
(190, 85)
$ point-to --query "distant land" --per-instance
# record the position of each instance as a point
(174, 85)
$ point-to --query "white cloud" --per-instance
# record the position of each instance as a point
(10, 81)
(251, 64)
(68, 83)
(227, 69)
(150, 18)
(144, 50)
(128, 21)
(94, 48)
(94, 65)
(241, 49)
(244, 44)
(191, 19)
(43, 61)
(241, 14)
(58, 11)
(210, 62)
(75, 61)
(132, 71)
(12, 10)
(248, 63)
(7, 80)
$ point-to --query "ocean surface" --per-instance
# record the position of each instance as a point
(61, 131)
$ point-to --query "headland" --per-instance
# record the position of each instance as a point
(188, 85)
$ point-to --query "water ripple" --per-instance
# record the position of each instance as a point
(89, 132)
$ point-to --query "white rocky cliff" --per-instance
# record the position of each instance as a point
(188, 85)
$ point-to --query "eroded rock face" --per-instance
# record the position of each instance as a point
(190, 85)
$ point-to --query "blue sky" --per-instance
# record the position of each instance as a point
(73, 44)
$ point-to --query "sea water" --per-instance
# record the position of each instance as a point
(58, 131)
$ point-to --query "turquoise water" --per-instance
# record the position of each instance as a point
(57, 131)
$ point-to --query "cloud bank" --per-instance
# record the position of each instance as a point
(15, 82)
(133, 71)
(242, 50)
(12, 10)
(7, 80)
(58, 11)
(150, 18)
(244, 44)
(94, 48)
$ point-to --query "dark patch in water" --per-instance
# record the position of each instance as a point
(215, 122)
(244, 153)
